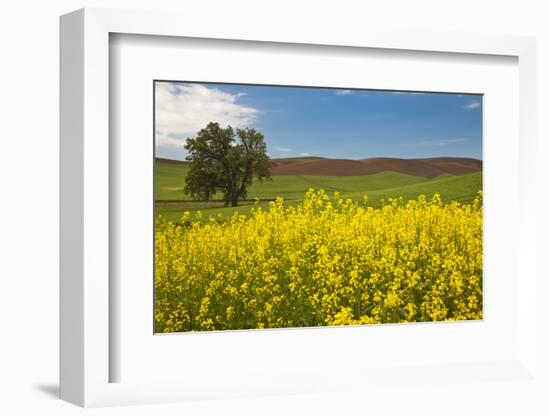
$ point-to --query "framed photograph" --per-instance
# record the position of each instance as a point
(279, 214)
(262, 225)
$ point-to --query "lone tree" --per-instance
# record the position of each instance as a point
(221, 163)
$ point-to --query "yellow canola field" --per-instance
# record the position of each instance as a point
(327, 261)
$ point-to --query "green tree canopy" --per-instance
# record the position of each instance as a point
(222, 161)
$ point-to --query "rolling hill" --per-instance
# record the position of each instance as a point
(456, 179)
(426, 168)
(319, 166)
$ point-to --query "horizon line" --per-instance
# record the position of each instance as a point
(340, 158)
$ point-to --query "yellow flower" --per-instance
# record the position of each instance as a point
(326, 261)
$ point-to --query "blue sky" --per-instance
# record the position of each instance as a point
(335, 123)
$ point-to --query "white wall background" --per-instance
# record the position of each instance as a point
(29, 56)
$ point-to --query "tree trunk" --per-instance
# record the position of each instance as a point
(234, 200)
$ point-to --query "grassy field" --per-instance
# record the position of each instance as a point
(172, 201)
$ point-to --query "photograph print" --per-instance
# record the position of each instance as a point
(292, 207)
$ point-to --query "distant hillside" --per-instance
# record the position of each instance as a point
(172, 161)
(283, 161)
(319, 166)
(427, 168)
(172, 201)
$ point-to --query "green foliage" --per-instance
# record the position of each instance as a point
(220, 163)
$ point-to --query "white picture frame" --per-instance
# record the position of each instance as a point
(85, 214)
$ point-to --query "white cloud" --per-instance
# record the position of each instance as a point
(284, 149)
(472, 105)
(343, 92)
(305, 154)
(181, 110)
